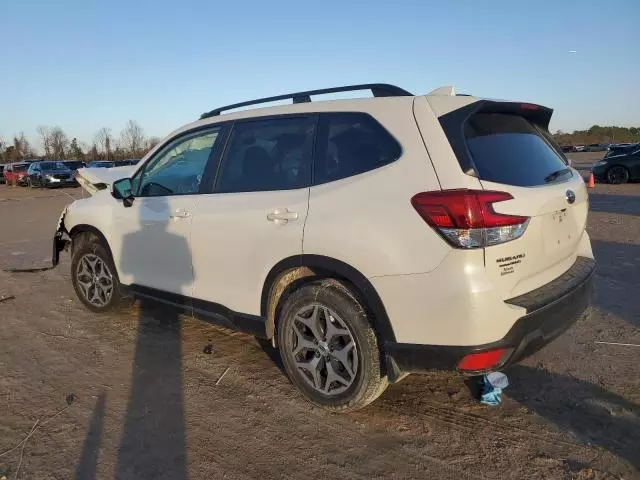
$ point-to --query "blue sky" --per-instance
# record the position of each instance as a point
(82, 65)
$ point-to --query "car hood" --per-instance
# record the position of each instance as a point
(95, 179)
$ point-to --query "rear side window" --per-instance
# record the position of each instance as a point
(509, 149)
(265, 155)
(352, 143)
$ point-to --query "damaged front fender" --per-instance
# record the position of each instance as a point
(61, 239)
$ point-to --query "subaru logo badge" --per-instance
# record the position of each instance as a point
(571, 197)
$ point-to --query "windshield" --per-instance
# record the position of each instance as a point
(53, 166)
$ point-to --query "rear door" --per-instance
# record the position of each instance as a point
(510, 150)
(255, 216)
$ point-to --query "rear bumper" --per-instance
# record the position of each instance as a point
(551, 309)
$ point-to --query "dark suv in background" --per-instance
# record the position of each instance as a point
(619, 166)
(49, 174)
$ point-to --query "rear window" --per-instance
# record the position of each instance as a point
(20, 168)
(509, 149)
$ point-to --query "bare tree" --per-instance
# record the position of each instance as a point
(150, 143)
(104, 139)
(45, 138)
(59, 143)
(132, 139)
(22, 147)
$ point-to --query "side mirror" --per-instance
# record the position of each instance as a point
(123, 190)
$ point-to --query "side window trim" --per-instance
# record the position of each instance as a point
(313, 116)
(321, 142)
(171, 142)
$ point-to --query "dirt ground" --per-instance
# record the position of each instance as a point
(136, 396)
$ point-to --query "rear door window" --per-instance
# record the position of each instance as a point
(350, 144)
(267, 155)
(511, 150)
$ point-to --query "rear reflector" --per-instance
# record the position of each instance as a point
(481, 361)
(466, 218)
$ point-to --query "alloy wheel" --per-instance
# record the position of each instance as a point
(323, 350)
(618, 175)
(94, 279)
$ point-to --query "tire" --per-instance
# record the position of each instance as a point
(94, 276)
(329, 304)
(617, 175)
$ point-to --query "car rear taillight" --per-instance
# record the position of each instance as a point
(466, 218)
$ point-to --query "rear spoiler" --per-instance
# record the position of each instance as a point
(453, 124)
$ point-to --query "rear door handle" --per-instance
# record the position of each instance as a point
(280, 216)
(180, 213)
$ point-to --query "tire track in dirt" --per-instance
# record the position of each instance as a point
(470, 422)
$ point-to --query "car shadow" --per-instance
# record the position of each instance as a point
(153, 441)
(617, 277)
(620, 204)
(595, 416)
(88, 462)
(271, 352)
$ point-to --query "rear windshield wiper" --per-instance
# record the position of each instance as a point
(554, 175)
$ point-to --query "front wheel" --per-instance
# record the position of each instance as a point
(328, 347)
(94, 276)
(617, 175)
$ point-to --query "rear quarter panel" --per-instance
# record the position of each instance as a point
(367, 220)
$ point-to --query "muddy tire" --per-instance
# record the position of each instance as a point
(329, 348)
(94, 276)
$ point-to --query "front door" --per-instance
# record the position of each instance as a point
(256, 215)
(153, 245)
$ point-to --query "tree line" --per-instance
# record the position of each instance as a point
(57, 145)
(598, 134)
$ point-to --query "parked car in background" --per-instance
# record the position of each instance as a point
(568, 148)
(1, 173)
(132, 161)
(73, 165)
(49, 174)
(101, 164)
(595, 147)
(619, 148)
(424, 245)
(621, 167)
(579, 148)
(16, 173)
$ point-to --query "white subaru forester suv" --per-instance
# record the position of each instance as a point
(367, 238)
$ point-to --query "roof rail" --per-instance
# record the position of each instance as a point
(377, 89)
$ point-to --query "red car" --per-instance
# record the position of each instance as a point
(16, 173)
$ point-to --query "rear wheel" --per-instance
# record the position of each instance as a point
(617, 175)
(94, 276)
(329, 349)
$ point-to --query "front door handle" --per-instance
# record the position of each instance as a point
(180, 213)
(280, 216)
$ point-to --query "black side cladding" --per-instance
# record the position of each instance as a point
(453, 125)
